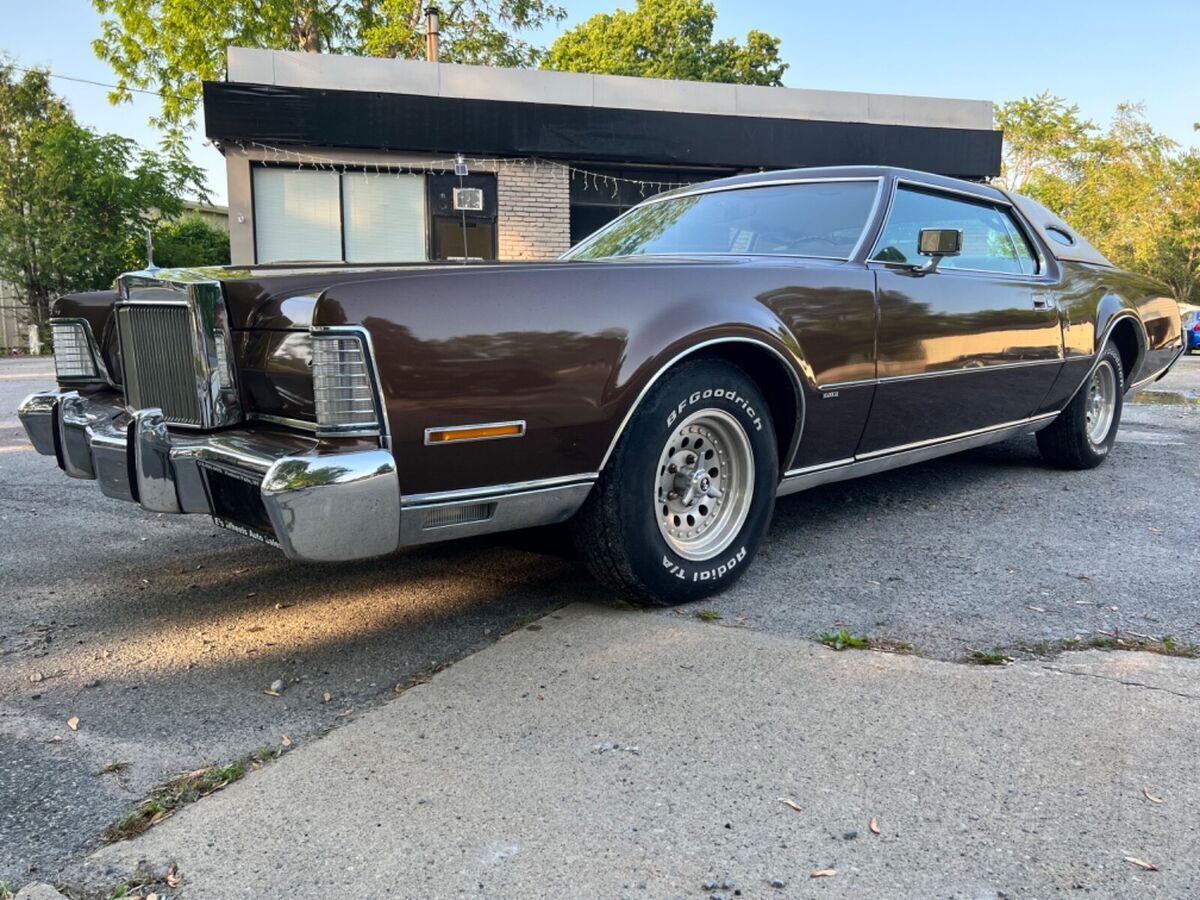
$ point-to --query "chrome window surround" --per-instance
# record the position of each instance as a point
(381, 429)
(1002, 203)
(673, 195)
(102, 374)
(217, 404)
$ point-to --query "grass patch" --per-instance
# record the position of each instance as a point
(844, 640)
(6, 891)
(1115, 641)
(708, 615)
(183, 790)
(990, 658)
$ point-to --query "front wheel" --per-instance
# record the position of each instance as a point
(681, 506)
(1083, 433)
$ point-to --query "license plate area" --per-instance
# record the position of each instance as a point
(235, 499)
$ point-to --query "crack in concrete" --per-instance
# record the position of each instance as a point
(1141, 684)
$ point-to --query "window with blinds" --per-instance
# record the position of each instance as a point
(303, 215)
(384, 217)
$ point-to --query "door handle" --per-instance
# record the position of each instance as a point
(1042, 301)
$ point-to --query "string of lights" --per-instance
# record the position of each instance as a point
(597, 180)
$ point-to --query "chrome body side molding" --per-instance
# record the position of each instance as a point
(895, 457)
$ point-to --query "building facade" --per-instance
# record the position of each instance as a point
(333, 158)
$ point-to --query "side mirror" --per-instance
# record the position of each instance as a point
(937, 243)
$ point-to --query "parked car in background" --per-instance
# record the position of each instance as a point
(658, 386)
(1191, 331)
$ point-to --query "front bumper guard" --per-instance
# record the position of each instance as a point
(321, 506)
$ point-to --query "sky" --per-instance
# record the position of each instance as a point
(1096, 54)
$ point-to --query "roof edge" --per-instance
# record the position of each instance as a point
(286, 68)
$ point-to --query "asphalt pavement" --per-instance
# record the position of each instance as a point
(162, 635)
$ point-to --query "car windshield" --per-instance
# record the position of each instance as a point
(822, 219)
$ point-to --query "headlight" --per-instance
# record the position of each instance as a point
(342, 384)
(74, 357)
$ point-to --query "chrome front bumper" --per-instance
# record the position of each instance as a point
(315, 506)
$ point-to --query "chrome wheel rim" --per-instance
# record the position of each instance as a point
(704, 484)
(1101, 402)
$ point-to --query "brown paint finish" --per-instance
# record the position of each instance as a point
(591, 336)
(881, 358)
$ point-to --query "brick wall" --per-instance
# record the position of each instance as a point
(534, 215)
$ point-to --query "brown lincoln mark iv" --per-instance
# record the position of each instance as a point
(658, 386)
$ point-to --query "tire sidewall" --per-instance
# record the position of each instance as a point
(1098, 452)
(693, 388)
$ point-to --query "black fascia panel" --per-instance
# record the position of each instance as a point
(369, 120)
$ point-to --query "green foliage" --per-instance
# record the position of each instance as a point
(1128, 189)
(74, 203)
(989, 658)
(173, 45)
(844, 640)
(666, 39)
(189, 242)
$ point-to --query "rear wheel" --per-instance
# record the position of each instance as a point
(1083, 433)
(681, 506)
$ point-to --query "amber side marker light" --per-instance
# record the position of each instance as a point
(487, 432)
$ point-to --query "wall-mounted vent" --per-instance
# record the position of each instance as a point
(446, 516)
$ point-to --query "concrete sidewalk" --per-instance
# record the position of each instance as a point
(514, 774)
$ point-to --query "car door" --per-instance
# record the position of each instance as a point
(976, 343)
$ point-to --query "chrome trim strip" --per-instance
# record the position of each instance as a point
(795, 378)
(978, 197)
(866, 229)
(384, 432)
(965, 370)
(495, 491)
(451, 429)
(284, 420)
(916, 445)
(819, 467)
(1103, 342)
(1150, 379)
(907, 454)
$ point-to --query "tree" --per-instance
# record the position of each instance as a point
(1128, 188)
(172, 46)
(1044, 136)
(189, 242)
(74, 204)
(666, 39)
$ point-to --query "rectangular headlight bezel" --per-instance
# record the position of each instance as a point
(346, 397)
(76, 356)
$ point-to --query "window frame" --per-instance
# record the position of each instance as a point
(340, 173)
(1003, 206)
(683, 193)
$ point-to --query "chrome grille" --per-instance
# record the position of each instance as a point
(158, 355)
